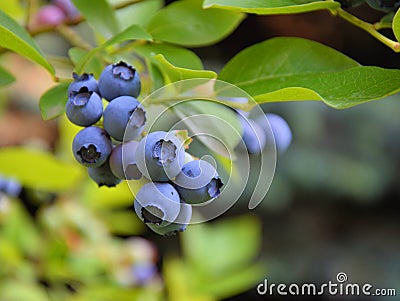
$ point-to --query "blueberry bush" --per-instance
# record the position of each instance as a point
(151, 146)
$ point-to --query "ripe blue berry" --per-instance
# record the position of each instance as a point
(10, 187)
(83, 80)
(157, 203)
(119, 79)
(84, 108)
(179, 225)
(160, 156)
(281, 131)
(124, 116)
(103, 175)
(68, 7)
(198, 182)
(253, 136)
(91, 146)
(123, 161)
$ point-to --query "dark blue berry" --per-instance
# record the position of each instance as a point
(123, 161)
(119, 79)
(281, 131)
(91, 146)
(103, 175)
(84, 108)
(160, 156)
(124, 116)
(198, 182)
(83, 80)
(179, 225)
(157, 203)
(254, 137)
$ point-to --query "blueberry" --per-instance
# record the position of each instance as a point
(123, 161)
(10, 187)
(143, 272)
(68, 7)
(198, 182)
(84, 108)
(254, 137)
(13, 188)
(179, 225)
(384, 5)
(160, 156)
(103, 175)
(281, 131)
(50, 15)
(157, 203)
(91, 146)
(119, 79)
(124, 116)
(83, 80)
(350, 3)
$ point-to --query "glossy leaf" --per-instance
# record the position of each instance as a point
(186, 23)
(92, 65)
(99, 15)
(209, 248)
(133, 32)
(287, 69)
(53, 101)
(269, 7)
(178, 56)
(38, 169)
(138, 13)
(396, 25)
(174, 74)
(6, 78)
(17, 39)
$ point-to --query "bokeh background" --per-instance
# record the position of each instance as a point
(333, 205)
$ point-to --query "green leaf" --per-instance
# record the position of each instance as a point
(287, 69)
(19, 228)
(38, 169)
(219, 122)
(396, 25)
(17, 39)
(186, 23)
(13, 290)
(92, 65)
(52, 102)
(342, 89)
(178, 56)
(99, 15)
(6, 78)
(139, 13)
(209, 248)
(133, 32)
(174, 74)
(269, 7)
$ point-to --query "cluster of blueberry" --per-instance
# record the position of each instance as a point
(117, 150)
(381, 5)
(55, 13)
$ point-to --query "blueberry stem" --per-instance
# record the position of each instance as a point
(72, 37)
(372, 29)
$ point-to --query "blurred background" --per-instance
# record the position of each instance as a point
(332, 207)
